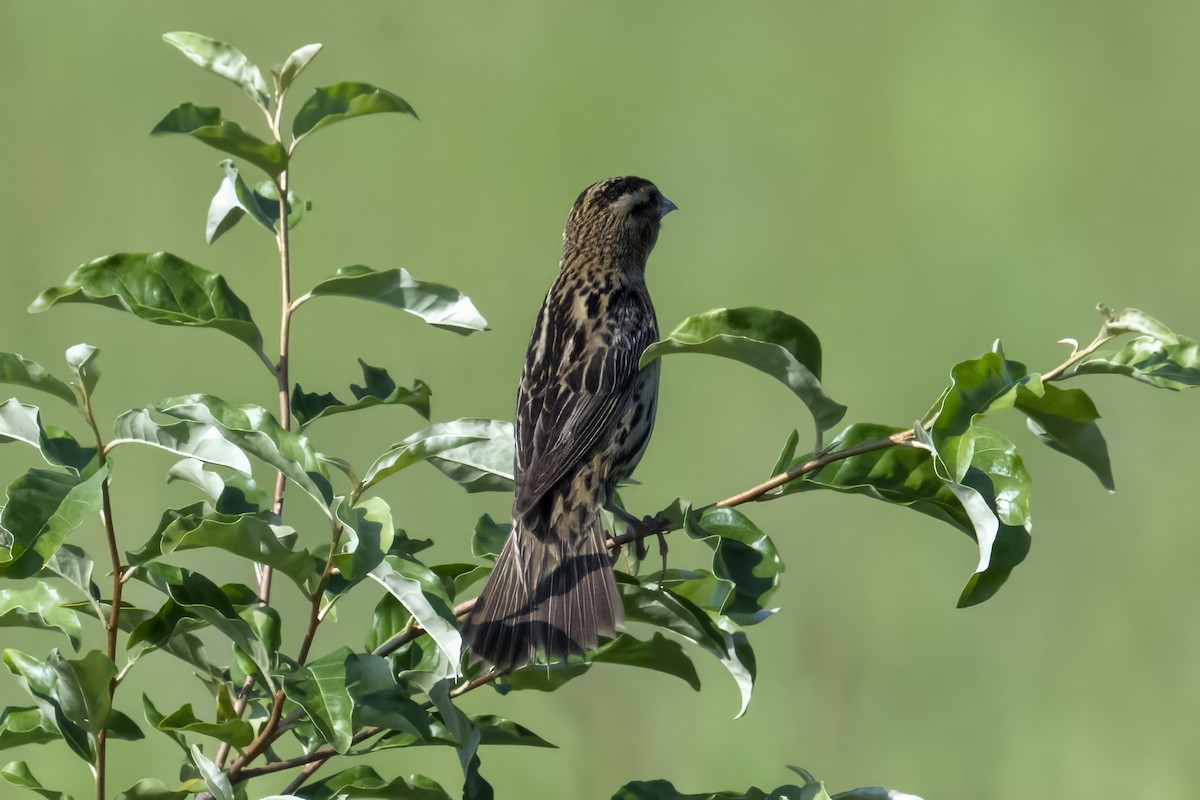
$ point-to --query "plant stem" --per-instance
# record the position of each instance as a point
(283, 384)
(111, 626)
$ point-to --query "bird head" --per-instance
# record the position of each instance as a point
(618, 218)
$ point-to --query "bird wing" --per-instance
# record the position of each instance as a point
(574, 389)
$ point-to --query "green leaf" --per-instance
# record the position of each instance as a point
(440, 306)
(216, 780)
(659, 653)
(468, 736)
(192, 596)
(418, 590)
(73, 565)
(22, 423)
(245, 535)
(236, 732)
(1131, 320)
(378, 389)
(81, 358)
(43, 508)
(255, 431)
(295, 64)
(155, 717)
(363, 781)
(41, 606)
(77, 691)
(977, 386)
(22, 726)
(489, 462)
(1150, 360)
(233, 200)
(330, 104)
(205, 124)
(742, 554)
(18, 774)
(223, 59)
(196, 440)
(319, 687)
(40, 680)
(379, 701)
(161, 288)
(20, 371)
(718, 636)
(489, 537)
(770, 341)
(1066, 421)
(152, 789)
(368, 531)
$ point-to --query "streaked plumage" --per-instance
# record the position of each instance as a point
(584, 416)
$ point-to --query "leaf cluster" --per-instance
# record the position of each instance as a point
(281, 706)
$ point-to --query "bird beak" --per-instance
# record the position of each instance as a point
(666, 207)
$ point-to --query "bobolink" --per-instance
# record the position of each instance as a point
(584, 416)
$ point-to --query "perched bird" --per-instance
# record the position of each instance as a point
(584, 416)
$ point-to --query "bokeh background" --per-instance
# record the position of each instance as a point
(912, 179)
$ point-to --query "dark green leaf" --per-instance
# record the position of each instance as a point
(41, 606)
(363, 781)
(977, 386)
(665, 790)
(467, 734)
(319, 687)
(17, 773)
(192, 596)
(495, 730)
(245, 535)
(77, 690)
(378, 389)
(255, 431)
(716, 635)
(545, 677)
(770, 341)
(330, 104)
(222, 59)
(419, 590)
(379, 701)
(446, 440)
(155, 717)
(742, 554)
(205, 124)
(440, 306)
(295, 64)
(659, 653)
(1066, 421)
(20, 371)
(161, 288)
(43, 508)
(39, 678)
(236, 732)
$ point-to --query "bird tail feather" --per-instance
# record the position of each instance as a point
(547, 598)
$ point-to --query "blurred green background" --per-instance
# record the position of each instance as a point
(911, 179)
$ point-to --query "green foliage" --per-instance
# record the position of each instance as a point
(277, 703)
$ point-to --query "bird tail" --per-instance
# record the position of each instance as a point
(546, 598)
